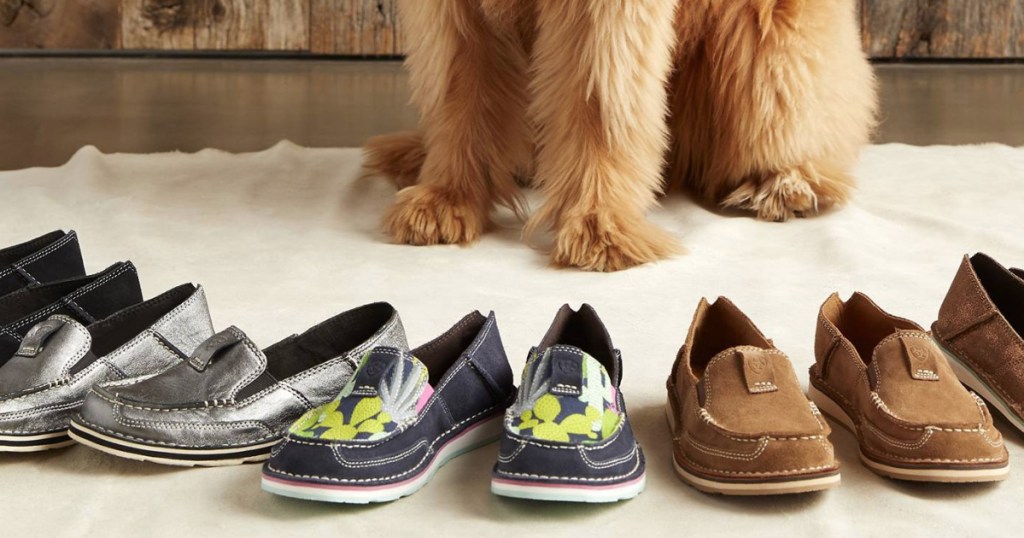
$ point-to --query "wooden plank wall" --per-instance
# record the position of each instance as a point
(347, 27)
(892, 29)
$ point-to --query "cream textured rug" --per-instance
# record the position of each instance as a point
(287, 237)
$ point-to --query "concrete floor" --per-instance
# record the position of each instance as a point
(50, 107)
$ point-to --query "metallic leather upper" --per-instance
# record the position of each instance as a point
(40, 388)
(202, 403)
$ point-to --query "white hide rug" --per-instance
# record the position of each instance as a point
(287, 237)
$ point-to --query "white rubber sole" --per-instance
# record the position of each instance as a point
(828, 406)
(169, 456)
(777, 487)
(482, 434)
(569, 493)
(975, 383)
(35, 443)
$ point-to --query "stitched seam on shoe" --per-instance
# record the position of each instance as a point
(896, 421)
(707, 418)
(79, 418)
(762, 445)
(32, 258)
(758, 473)
(167, 425)
(305, 402)
(990, 379)
(381, 461)
(14, 415)
(574, 478)
(852, 354)
(335, 447)
(261, 360)
(207, 405)
(33, 318)
(515, 453)
(906, 445)
(609, 463)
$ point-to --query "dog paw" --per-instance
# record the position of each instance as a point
(603, 241)
(428, 216)
(779, 197)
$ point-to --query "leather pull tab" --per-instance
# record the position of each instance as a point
(377, 364)
(921, 358)
(203, 355)
(35, 341)
(758, 372)
(566, 371)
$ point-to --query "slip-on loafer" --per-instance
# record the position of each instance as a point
(981, 330)
(567, 436)
(741, 424)
(401, 417)
(884, 379)
(83, 299)
(61, 359)
(47, 258)
(230, 402)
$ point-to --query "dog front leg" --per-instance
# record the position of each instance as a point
(468, 78)
(599, 101)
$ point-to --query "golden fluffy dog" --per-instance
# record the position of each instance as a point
(761, 105)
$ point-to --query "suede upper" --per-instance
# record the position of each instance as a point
(981, 321)
(737, 406)
(905, 401)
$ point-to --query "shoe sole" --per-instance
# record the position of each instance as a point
(484, 433)
(975, 383)
(180, 457)
(833, 410)
(35, 442)
(519, 489)
(785, 486)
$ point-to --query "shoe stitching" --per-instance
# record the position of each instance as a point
(334, 447)
(759, 473)
(77, 294)
(633, 453)
(615, 478)
(32, 258)
(97, 427)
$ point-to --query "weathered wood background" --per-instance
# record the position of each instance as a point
(896, 29)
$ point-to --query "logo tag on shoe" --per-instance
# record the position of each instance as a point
(33, 343)
(921, 359)
(758, 371)
(203, 355)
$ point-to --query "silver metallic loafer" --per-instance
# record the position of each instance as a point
(60, 359)
(230, 403)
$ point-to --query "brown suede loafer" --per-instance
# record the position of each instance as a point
(884, 378)
(980, 328)
(741, 424)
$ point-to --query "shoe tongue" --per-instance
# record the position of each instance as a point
(394, 377)
(908, 355)
(911, 376)
(755, 364)
(567, 371)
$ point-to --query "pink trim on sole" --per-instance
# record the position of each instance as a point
(568, 486)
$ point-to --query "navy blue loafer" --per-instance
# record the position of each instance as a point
(401, 417)
(47, 258)
(567, 436)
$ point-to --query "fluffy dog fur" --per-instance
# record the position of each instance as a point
(761, 105)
